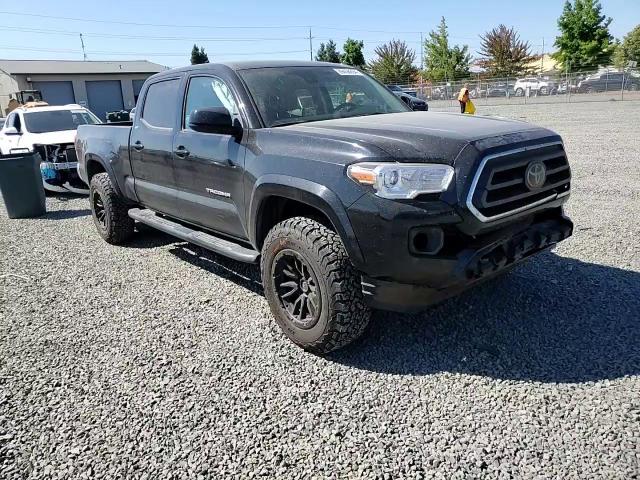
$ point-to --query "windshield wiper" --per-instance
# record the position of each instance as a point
(284, 123)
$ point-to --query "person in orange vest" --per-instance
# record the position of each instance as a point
(466, 105)
(463, 98)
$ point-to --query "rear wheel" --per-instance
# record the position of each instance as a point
(109, 211)
(312, 288)
(519, 92)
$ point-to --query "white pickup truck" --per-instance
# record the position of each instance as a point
(51, 131)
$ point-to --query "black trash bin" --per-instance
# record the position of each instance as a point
(21, 185)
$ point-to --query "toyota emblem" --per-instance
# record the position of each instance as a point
(535, 176)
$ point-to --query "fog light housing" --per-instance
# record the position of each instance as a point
(426, 240)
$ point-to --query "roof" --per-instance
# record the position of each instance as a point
(259, 64)
(281, 63)
(34, 67)
(49, 108)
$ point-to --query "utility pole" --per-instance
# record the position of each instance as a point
(84, 53)
(542, 58)
(310, 45)
(421, 52)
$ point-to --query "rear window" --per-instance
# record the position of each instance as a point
(160, 104)
(58, 120)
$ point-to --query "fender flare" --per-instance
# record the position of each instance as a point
(92, 158)
(307, 192)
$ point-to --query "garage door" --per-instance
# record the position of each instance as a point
(104, 96)
(56, 93)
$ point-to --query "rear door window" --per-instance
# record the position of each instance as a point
(160, 104)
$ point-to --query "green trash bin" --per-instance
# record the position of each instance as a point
(21, 185)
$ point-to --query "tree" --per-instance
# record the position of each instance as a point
(584, 42)
(328, 53)
(629, 49)
(442, 61)
(198, 55)
(353, 53)
(503, 53)
(394, 63)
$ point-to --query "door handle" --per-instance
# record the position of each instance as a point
(181, 152)
(138, 146)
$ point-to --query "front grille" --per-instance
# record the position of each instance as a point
(499, 188)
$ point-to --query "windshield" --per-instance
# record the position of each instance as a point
(305, 94)
(58, 120)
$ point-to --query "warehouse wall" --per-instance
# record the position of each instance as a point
(13, 83)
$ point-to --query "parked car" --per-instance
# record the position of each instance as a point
(499, 90)
(537, 86)
(409, 98)
(609, 81)
(443, 93)
(492, 90)
(398, 89)
(51, 131)
(346, 205)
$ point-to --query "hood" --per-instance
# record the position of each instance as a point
(416, 136)
(50, 138)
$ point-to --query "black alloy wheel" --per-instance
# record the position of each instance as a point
(297, 288)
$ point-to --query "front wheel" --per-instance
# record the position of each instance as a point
(312, 288)
(109, 211)
(519, 92)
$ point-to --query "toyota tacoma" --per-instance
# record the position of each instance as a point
(347, 199)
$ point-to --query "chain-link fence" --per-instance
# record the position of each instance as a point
(603, 85)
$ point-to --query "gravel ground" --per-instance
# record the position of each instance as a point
(159, 360)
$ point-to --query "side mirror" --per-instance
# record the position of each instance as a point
(11, 131)
(212, 120)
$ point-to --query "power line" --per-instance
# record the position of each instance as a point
(146, 37)
(250, 27)
(138, 24)
(142, 54)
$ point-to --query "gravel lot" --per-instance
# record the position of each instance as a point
(160, 360)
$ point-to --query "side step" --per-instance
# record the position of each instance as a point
(202, 239)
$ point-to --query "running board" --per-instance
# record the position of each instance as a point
(202, 239)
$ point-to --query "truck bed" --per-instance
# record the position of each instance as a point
(108, 141)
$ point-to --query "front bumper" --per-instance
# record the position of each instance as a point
(479, 262)
(62, 178)
(421, 107)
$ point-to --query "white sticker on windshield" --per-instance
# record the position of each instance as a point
(347, 71)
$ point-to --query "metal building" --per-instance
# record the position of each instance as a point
(100, 86)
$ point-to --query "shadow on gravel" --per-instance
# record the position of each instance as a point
(64, 214)
(554, 319)
(244, 275)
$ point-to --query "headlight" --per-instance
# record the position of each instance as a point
(402, 180)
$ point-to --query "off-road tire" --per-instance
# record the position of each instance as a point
(116, 226)
(343, 314)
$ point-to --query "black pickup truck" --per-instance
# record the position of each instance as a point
(347, 198)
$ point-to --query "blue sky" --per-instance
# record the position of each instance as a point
(239, 30)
